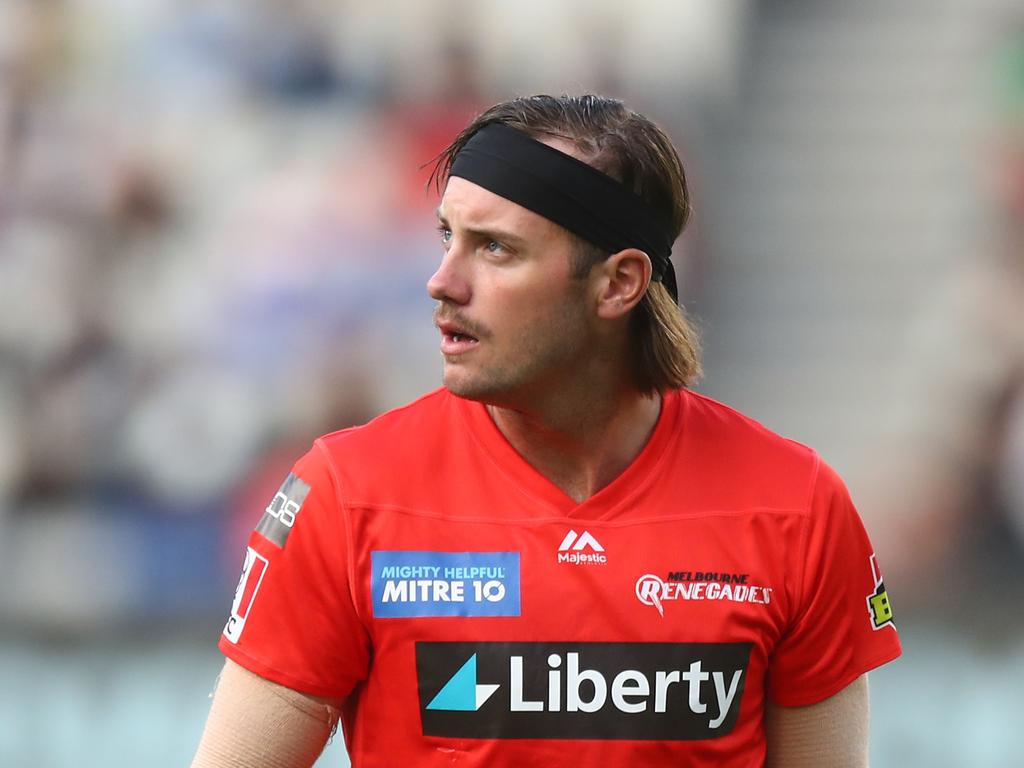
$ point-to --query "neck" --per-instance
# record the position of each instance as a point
(581, 444)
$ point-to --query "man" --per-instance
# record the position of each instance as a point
(563, 557)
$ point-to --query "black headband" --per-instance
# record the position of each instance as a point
(568, 192)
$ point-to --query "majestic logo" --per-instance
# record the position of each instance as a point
(253, 568)
(879, 607)
(686, 585)
(573, 549)
(406, 583)
(643, 691)
(280, 514)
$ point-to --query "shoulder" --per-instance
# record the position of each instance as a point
(721, 427)
(733, 451)
(401, 431)
(398, 448)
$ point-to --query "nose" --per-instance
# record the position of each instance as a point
(449, 283)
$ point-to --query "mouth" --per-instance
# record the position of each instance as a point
(455, 340)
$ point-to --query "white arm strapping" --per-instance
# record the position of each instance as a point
(254, 722)
(830, 734)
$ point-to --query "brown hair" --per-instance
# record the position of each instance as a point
(631, 149)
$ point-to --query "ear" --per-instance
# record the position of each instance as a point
(623, 282)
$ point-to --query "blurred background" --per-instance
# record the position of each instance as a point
(214, 239)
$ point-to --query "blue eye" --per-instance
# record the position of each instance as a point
(446, 234)
(495, 247)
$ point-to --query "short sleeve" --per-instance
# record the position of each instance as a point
(842, 625)
(293, 619)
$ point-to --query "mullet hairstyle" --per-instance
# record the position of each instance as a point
(635, 152)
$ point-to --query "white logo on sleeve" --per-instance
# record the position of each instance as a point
(574, 549)
(253, 568)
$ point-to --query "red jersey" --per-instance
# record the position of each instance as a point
(474, 614)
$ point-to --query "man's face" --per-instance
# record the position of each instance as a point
(513, 320)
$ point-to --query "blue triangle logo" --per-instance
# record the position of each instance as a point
(461, 693)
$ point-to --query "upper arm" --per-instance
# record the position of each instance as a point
(293, 619)
(254, 722)
(830, 734)
(838, 621)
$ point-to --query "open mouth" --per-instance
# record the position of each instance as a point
(454, 340)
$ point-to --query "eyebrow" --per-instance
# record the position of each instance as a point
(499, 235)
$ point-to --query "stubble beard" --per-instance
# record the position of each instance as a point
(547, 354)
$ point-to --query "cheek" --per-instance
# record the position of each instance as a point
(529, 300)
(535, 310)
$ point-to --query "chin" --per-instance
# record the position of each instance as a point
(465, 391)
(469, 389)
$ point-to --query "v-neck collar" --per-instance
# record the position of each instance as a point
(640, 472)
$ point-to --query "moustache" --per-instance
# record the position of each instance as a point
(444, 313)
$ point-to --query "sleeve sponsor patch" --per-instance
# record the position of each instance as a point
(879, 607)
(418, 584)
(253, 568)
(284, 508)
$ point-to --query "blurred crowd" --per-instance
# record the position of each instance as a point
(213, 241)
(948, 491)
(215, 231)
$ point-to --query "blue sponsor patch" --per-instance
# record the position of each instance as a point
(407, 584)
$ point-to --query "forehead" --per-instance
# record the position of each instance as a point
(470, 206)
